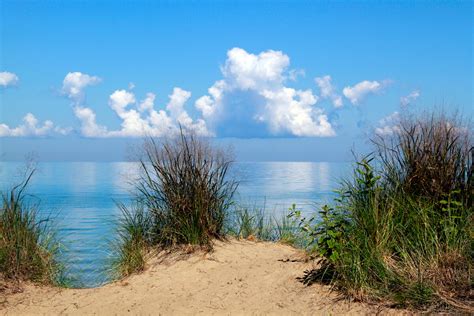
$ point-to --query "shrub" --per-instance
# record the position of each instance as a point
(27, 244)
(390, 234)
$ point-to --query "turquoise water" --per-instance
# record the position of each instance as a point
(81, 196)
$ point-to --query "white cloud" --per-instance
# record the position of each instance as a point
(285, 110)
(75, 82)
(8, 79)
(249, 71)
(408, 99)
(89, 126)
(73, 87)
(357, 93)
(328, 90)
(32, 127)
(137, 118)
(145, 120)
(209, 104)
(253, 96)
(389, 125)
(119, 100)
(147, 103)
(291, 111)
(176, 109)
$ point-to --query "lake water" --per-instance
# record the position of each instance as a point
(81, 197)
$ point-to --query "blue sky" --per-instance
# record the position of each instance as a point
(100, 74)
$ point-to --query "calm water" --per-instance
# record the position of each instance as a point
(81, 196)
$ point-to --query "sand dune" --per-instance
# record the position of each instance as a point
(237, 278)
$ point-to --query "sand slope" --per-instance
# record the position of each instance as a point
(238, 278)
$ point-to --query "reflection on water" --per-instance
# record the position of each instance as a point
(280, 184)
(84, 194)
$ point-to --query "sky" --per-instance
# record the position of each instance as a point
(277, 80)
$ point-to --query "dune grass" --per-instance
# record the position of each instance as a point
(183, 196)
(186, 190)
(133, 240)
(28, 247)
(256, 223)
(401, 227)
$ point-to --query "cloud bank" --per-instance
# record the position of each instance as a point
(253, 98)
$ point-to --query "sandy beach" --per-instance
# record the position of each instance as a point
(237, 278)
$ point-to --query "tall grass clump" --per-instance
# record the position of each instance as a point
(249, 222)
(133, 240)
(184, 192)
(401, 227)
(255, 223)
(28, 248)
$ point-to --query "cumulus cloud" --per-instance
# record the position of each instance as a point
(389, 125)
(291, 111)
(32, 127)
(145, 120)
(408, 99)
(138, 118)
(249, 71)
(177, 112)
(358, 92)
(89, 126)
(259, 82)
(253, 98)
(328, 90)
(73, 87)
(8, 79)
(74, 84)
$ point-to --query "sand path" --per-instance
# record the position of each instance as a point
(238, 278)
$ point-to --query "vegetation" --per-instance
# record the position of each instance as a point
(184, 194)
(255, 223)
(401, 227)
(27, 245)
(133, 242)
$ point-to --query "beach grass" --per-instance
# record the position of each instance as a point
(28, 243)
(183, 196)
(257, 223)
(401, 227)
(133, 240)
